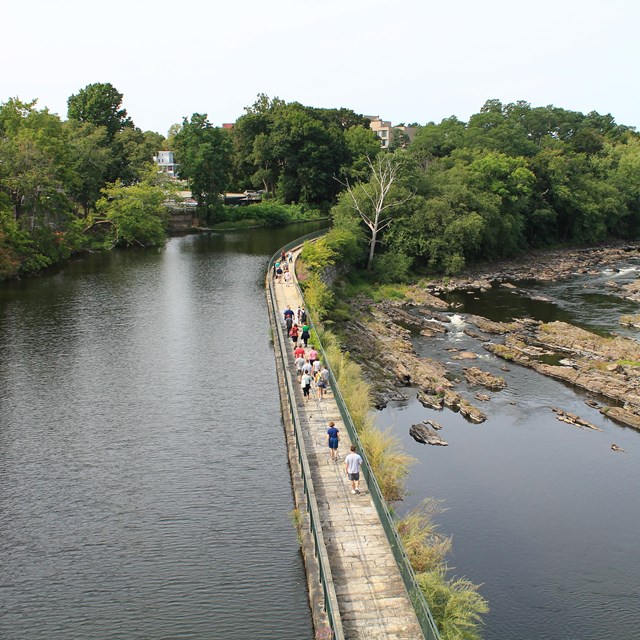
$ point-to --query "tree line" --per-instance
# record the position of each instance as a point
(510, 178)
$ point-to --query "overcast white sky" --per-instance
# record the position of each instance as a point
(405, 60)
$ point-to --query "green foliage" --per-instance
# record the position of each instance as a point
(204, 154)
(138, 213)
(393, 266)
(99, 104)
(318, 296)
(295, 152)
(270, 213)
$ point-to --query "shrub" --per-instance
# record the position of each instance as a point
(318, 296)
(392, 266)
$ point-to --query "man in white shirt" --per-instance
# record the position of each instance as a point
(352, 464)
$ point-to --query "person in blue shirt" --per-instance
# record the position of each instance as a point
(333, 439)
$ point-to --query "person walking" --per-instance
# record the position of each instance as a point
(305, 334)
(313, 355)
(307, 367)
(287, 278)
(299, 364)
(299, 351)
(305, 383)
(288, 323)
(293, 334)
(352, 464)
(320, 383)
(333, 440)
(324, 374)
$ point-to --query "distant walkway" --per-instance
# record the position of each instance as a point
(372, 598)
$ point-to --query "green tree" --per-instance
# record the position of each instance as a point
(204, 155)
(89, 160)
(100, 104)
(137, 213)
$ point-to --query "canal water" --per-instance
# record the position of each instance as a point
(144, 482)
(545, 515)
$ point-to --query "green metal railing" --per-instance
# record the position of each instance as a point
(427, 624)
(326, 579)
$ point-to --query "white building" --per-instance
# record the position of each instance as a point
(166, 163)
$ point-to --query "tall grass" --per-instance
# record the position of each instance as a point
(455, 604)
(425, 546)
(389, 462)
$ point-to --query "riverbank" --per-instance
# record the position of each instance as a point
(379, 335)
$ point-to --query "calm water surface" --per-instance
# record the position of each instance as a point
(144, 485)
(541, 512)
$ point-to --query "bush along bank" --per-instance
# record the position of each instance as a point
(455, 603)
(265, 214)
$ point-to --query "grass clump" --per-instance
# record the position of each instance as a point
(425, 546)
(389, 462)
(455, 604)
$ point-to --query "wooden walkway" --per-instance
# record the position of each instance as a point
(371, 595)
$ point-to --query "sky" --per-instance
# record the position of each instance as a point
(405, 60)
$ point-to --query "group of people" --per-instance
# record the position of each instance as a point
(309, 368)
(311, 371)
(281, 271)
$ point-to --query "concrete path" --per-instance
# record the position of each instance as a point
(371, 595)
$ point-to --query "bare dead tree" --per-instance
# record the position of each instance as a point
(384, 172)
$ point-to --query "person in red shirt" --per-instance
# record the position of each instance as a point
(298, 352)
(293, 334)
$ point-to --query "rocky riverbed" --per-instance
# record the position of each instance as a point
(379, 337)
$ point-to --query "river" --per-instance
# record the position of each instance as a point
(545, 515)
(144, 482)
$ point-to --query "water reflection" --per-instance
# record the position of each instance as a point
(144, 484)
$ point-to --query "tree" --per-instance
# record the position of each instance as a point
(89, 159)
(99, 104)
(137, 213)
(373, 199)
(204, 155)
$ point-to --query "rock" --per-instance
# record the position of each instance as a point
(422, 433)
(465, 355)
(476, 376)
(475, 334)
(483, 397)
(630, 321)
(504, 368)
(489, 326)
(572, 418)
(435, 425)
(508, 285)
(620, 414)
(430, 401)
(471, 413)
(615, 447)
(592, 403)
